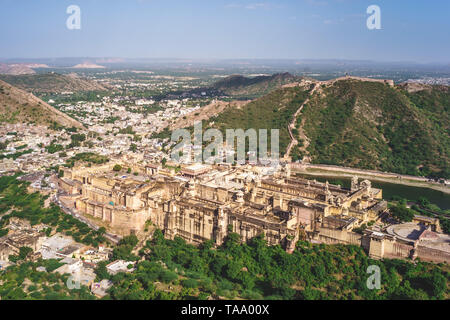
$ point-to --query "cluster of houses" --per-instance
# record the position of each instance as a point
(78, 260)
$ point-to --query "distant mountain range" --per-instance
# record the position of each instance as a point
(88, 66)
(258, 63)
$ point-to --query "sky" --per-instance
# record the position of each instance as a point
(411, 30)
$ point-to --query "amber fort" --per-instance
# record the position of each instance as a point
(201, 202)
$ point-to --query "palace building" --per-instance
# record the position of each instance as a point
(207, 202)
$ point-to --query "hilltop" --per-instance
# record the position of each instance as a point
(213, 109)
(51, 83)
(240, 86)
(353, 122)
(18, 106)
(15, 69)
(374, 125)
(272, 111)
(88, 66)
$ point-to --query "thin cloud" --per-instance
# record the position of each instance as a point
(254, 6)
(250, 6)
(233, 5)
(317, 2)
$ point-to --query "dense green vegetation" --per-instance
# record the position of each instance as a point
(241, 87)
(256, 271)
(88, 157)
(87, 96)
(15, 155)
(425, 208)
(123, 251)
(78, 137)
(53, 148)
(23, 282)
(30, 206)
(354, 123)
(24, 253)
(273, 111)
(164, 134)
(173, 269)
(374, 126)
(402, 213)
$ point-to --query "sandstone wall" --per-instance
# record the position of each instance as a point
(432, 255)
(333, 236)
(397, 250)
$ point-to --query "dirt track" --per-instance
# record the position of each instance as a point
(292, 124)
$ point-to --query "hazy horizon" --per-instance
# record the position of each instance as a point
(412, 32)
(218, 59)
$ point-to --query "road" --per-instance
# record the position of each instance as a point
(110, 236)
(338, 171)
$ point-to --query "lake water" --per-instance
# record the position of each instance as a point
(439, 198)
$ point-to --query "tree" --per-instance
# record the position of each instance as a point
(190, 283)
(3, 145)
(123, 250)
(438, 283)
(131, 240)
(78, 137)
(402, 213)
(101, 231)
(168, 276)
(423, 201)
(133, 147)
(101, 271)
(117, 167)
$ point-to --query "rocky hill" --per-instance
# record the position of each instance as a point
(272, 111)
(19, 106)
(240, 86)
(15, 69)
(88, 66)
(377, 126)
(353, 122)
(51, 83)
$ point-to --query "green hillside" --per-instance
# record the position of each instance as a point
(374, 126)
(243, 87)
(273, 111)
(354, 123)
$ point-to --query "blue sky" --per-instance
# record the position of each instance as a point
(412, 30)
